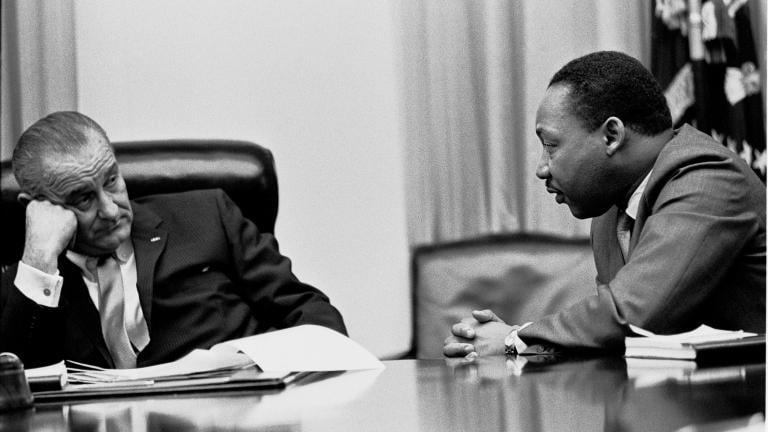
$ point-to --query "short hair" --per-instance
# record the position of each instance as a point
(59, 133)
(610, 83)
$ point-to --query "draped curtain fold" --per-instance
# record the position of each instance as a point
(38, 64)
(473, 73)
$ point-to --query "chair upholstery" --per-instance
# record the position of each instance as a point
(521, 277)
(245, 170)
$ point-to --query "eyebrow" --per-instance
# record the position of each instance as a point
(82, 190)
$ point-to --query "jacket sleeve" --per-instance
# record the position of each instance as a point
(31, 331)
(268, 283)
(699, 221)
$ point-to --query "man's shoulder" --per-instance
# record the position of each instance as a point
(693, 151)
(691, 142)
(171, 206)
(181, 198)
(690, 146)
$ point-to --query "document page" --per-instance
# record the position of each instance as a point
(306, 348)
(701, 334)
(196, 362)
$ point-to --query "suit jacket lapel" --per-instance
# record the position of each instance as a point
(148, 243)
(609, 259)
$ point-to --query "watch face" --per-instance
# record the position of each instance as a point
(510, 350)
(510, 343)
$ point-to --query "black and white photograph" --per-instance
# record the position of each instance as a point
(383, 215)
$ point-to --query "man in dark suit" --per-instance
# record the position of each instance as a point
(119, 283)
(679, 220)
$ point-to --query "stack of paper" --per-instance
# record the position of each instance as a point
(52, 377)
(198, 363)
(265, 359)
(703, 345)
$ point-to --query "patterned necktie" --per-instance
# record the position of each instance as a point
(111, 310)
(624, 224)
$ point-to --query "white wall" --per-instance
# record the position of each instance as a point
(314, 81)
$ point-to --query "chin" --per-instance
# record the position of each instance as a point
(582, 213)
(105, 245)
(579, 214)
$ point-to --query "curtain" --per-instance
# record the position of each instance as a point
(38, 65)
(473, 73)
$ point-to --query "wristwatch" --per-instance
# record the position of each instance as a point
(513, 345)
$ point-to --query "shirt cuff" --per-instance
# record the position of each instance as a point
(514, 345)
(38, 286)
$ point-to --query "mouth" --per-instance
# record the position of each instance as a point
(112, 227)
(559, 197)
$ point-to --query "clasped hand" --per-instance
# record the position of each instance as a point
(481, 335)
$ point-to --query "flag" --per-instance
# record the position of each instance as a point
(706, 62)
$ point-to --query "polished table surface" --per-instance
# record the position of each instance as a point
(494, 394)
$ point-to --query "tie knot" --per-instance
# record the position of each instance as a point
(91, 265)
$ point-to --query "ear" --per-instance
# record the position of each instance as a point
(613, 134)
(24, 198)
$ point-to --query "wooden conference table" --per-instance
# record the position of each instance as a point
(495, 394)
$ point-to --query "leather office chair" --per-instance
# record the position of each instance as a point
(245, 170)
(521, 277)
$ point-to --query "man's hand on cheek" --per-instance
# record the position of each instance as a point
(50, 228)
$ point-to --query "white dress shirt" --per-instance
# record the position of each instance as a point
(45, 289)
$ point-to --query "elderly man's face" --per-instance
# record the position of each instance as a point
(573, 161)
(89, 184)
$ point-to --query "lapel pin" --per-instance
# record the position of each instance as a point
(154, 239)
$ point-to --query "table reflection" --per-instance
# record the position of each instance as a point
(544, 393)
(491, 394)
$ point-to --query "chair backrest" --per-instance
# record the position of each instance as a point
(521, 277)
(245, 170)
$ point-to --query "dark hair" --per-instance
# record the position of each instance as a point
(610, 83)
(59, 133)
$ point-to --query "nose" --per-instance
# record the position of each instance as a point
(107, 207)
(542, 170)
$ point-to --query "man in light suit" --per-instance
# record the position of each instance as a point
(678, 229)
(190, 271)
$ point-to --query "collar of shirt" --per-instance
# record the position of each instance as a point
(634, 199)
(122, 254)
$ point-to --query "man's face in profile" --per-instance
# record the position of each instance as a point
(573, 160)
(89, 184)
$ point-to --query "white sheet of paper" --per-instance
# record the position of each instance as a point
(196, 361)
(304, 348)
(703, 333)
